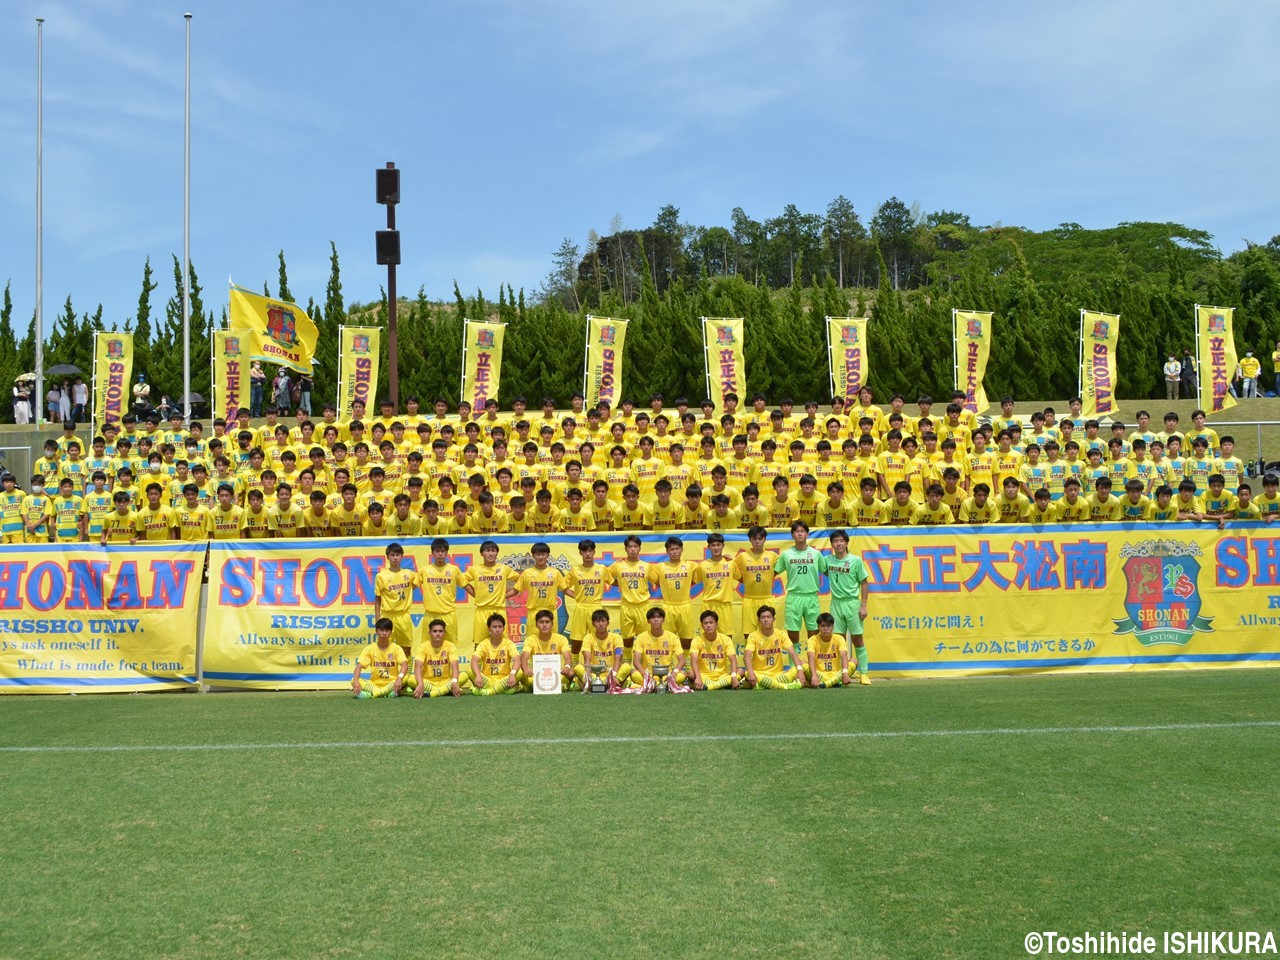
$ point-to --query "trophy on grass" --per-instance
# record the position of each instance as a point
(660, 672)
(598, 682)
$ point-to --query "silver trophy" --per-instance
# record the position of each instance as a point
(660, 672)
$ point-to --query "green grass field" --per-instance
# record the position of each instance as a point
(910, 819)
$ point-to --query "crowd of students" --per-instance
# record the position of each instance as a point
(461, 471)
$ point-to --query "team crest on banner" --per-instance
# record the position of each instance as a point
(1217, 323)
(608, 335)
(724, 337)
(231, 347)
(1162, 595)
(1101, 330)
(849, 336)
(282, 327)
(360, 344)
(115, 349)
(484, 338)
(973, 327)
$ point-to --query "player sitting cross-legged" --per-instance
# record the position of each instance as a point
(715, 660)
(602, 647)
(385, 662)
(770, 658)
(495, 665)
(828, 655)
(545, 641)
(658, 647)
(435, 666)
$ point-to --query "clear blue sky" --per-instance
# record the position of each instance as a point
(517, 124)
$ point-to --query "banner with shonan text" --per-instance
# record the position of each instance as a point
(230, 375)
(77, 618)
(112, 371)
(961, 601)
(726, 363)
(1217, 349)
(276, 331)
(847, 348)
(972, 347)
(1099, 334)
(358, 351)
(602, 377)
(481, 361)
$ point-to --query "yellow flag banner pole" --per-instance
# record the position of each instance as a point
(972, 329)
(1099, 334)
(112, 370)
(602, 370)
(275, 331)
(229, 372)
(358, 354)
(726, 365)
(1216, 345)
(847, 354)
(481, 360)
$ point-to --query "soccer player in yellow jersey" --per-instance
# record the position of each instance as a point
(933, 512)
(891, 466)
(67, 511)
(667, 514)
(491, 584)
(654, 647)
(633, 515)
(192, 517)
(440, 582)
(544, 641)
(346, 520)
(1268, 503)
(978, 508)
(719, 584)
(157, 519)
(393, 596)
(769, 658)
(632, 578)
(586, 583)
(1042, 509)
(674, 579)
(1012, 503)
(713, 656)
(1162, 509)
(256, 522)
(435, 666)
(828, 655)
(898, 511)
(1072, 508)
(121, 525)
(542, 582)
(754, 569)
(602, 647)
(495, 664)
(1103, 507)
(386, 663)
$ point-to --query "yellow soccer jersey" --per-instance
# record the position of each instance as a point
(831, 516)
(667, 518)
(345, 523)
(605, 516)
(1129, 510)
(712, 656)
(583, 521)
(495, 662)
(769, 654)
(120, 529)
(632, 580)
(496, 522)
(1157, 513)
(895, 514)
(720, 523)
(1038, 515)
(1066, 512)
(675, 580)
(410, 526)
(1012, 511)
(970, 512)
(783, 512)
(383, 664)
(440, 586)
(602, 649)
(639, 517)
(490, 584)
(541, 586)
(156, 524)
(66, 518)
(192, 522)
(587, 585)
(256, 525)
(395, 588)
(555, 643)
(826, 654)
(654, 651)
(926, 516)
(437, 662)
(756, 574)
(1105, 511)
(719, 581)
(863, 514)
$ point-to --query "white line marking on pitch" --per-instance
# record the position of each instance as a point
(686, 738)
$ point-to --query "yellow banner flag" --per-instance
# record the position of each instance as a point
(277, 331)
(726, 365)
(230, 376)
(358, 349)
(112, 370)
(847, 351)
(602, 377)
(1216, 345)
(1099, 333)
(972, 346)
(481, 361)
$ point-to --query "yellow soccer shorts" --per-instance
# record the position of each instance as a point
(402, 630)
(480, 622)
(633, 619)
(450, 625)
(681, 620)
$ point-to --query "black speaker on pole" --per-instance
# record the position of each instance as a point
(388, 185)
(388, 247)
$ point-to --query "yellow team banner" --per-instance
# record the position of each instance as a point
(1215, 340)
(602, 374)
(78, 618)
(275, 331)
(952, 603)
(112, 372)
(847, 349)
(1099, 334)
(358, 351)
(972, 347)
(481, 361)
(230, 379)
(726, 364)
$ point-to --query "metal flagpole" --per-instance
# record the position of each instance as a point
(38, 398)
(462, 384)
(1195, 316)
(1080, 372)
(706, 361)
(586, 358)
(831, 369)
(955, 352)
(337, 400)
(186, 240)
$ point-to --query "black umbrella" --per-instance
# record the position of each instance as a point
(64, 370)
(195, 398)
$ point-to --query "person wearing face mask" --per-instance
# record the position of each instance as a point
(36, 512)
(1250, 367)
(1172, 377)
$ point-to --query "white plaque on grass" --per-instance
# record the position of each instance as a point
(546, 672)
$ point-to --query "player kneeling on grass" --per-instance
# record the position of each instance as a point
(545, 641)
(654, 648)
(847, 578)
(714, 657)
(828, 656)
(435, 668)
(602, 646)
(495, 665)
(385, 662)
(771, 661)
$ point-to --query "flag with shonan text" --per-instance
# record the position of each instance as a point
(275, 331)
(230, 374)
(602, 376)
(112, 371)
(481, 361)
(358, 349)
(972, 347)
(847, 350)
(726, 364)
(1218, 359)
(1100, 333)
